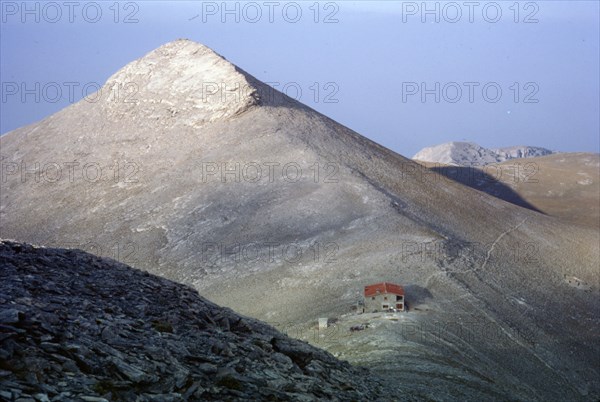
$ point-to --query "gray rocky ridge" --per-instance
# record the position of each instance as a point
(471, 154)
(76, 327)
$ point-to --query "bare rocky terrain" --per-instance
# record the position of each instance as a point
(469, 154)
(76, 327)
(565, 185)
(212, 179)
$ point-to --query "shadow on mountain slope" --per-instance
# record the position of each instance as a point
(483, 181)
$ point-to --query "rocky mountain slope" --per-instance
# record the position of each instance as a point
(561, 185)
(565, 185)
(208, 177)
(76, 327)
(471, 154)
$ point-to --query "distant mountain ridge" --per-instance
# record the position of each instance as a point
(471, 154)
(522, 151)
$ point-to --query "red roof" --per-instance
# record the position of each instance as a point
(383, 287)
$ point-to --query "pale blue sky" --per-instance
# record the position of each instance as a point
(373, 54)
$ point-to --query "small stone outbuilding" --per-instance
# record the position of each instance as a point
(384, 296)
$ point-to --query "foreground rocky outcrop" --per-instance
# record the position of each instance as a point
(74, 326)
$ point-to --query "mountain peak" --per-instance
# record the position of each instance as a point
(182, 78)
